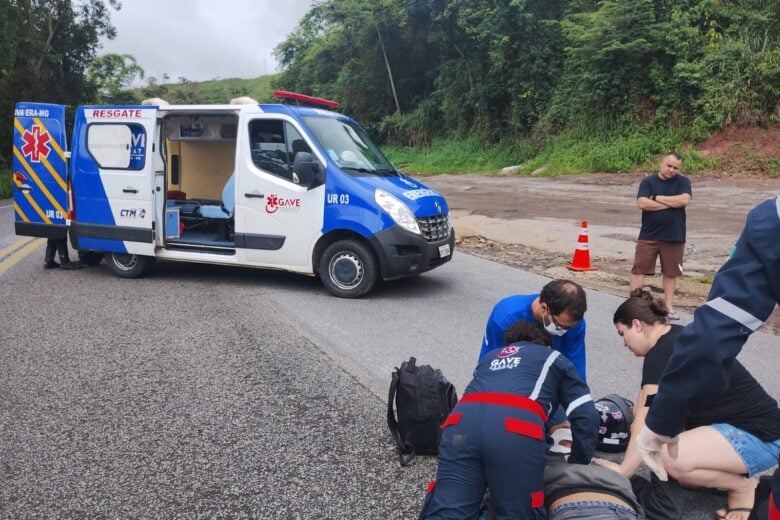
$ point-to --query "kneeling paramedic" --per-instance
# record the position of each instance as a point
(495, 437)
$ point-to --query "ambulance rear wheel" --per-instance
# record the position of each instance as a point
(129, 266)
(348, 269)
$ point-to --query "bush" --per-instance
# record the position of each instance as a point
(5, 184)
(635, 148)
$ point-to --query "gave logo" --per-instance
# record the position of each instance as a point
(511, 350)
(276, 203)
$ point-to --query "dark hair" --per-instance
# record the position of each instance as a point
(525, 331)
(641, 306)
(564, 296)
(673, 154)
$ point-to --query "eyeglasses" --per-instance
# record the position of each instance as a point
(558, 326)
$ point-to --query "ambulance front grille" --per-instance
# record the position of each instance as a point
(434, 228)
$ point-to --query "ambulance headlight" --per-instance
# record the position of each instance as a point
(399, 211)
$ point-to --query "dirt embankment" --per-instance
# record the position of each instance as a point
(534, 223)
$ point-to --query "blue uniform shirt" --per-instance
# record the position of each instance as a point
(512, 309)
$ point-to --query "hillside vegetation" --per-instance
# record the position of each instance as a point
(571, 85)
(555, 86)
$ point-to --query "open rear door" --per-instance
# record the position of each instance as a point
(40, 190)
(114, 197)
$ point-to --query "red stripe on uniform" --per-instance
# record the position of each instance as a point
(524, 428)
(537, 499)
(774, 512)
(431, 485)
(452, 420)
(515, 401)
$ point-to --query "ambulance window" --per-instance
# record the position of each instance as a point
(295, 142)
(269, 150)
(117, 146)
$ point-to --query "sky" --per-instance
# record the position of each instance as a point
(204, 39)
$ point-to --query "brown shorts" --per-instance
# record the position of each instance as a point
(647, 251)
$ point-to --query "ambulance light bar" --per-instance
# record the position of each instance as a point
(302, 98)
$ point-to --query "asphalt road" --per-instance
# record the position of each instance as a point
(204, 391)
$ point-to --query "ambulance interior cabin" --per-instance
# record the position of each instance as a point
(200, 154)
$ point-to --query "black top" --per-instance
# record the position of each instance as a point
(667, 225)
(745, 404)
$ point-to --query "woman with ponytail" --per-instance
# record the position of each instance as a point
(728, 440)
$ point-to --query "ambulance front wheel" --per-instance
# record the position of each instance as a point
(348, 269)
(129, 266)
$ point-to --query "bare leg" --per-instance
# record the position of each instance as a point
(670, 282)
(635, 281)
(705, 458)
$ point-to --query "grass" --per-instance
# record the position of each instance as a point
(219, 90)
(470, 155)
(635, 149)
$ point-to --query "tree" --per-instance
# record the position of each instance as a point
(47, 46)
(111, 74)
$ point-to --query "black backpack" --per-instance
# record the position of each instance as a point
(423, 398)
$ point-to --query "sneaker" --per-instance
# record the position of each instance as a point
(51, 264)
(673, 316)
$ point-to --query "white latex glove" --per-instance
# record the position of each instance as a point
(650, 444)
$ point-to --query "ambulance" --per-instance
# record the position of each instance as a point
(293, 186)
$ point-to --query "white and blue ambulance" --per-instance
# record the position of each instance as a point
(295, 187)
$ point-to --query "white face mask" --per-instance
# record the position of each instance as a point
(552, 328)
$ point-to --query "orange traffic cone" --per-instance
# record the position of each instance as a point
(581, 260)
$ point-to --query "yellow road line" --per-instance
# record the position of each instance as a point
(19, 255)
(13, 247)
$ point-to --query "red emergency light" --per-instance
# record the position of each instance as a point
(303, 98)
(19, 177)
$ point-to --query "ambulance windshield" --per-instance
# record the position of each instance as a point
(349, 147)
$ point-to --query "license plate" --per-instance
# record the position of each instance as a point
(444, 251)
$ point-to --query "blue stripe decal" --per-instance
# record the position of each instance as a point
(102, 244)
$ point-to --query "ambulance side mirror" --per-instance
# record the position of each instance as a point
(308, 170)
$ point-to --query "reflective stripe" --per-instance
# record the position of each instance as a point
(730, 310)
(515, 401)
(524, 428)
(452, 420)
(777, 203)
(578, 402)
(543, 374)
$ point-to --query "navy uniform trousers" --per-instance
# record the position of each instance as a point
(493, 445)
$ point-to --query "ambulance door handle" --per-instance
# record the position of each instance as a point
(130, 190)
(254, 195)
(25, 188)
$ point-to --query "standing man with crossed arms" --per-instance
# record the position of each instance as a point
(744, 294)
(662, 199)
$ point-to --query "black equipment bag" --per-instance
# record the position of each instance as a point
(423, 398)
